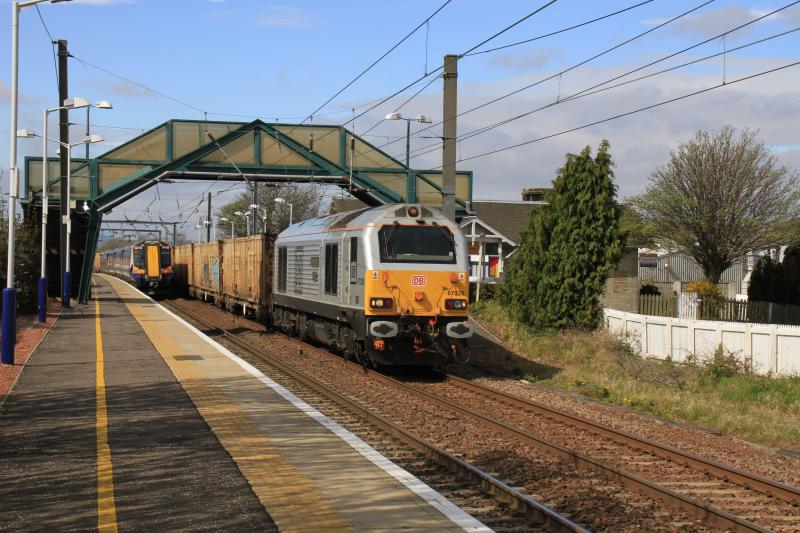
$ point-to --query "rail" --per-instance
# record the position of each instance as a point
(504, 493)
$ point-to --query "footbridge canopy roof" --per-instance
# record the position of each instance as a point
(257, 151)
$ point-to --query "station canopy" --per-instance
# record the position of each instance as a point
(257, 151)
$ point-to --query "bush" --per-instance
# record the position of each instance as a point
(705, 288)
(777, 282)
(649, 289)
(26, 266)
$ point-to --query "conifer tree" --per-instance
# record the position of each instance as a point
(556, 278)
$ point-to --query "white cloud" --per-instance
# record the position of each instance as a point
(282, 17)
(525, 61)
(122, 88)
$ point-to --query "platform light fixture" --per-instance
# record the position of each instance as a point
(226, 219)
(9, 327)
(66, 289)
(419, 118)
(291, 207)
(246, 217)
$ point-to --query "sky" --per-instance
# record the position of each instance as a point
(242, 59)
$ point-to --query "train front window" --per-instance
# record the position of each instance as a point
(166, 257)
(416, 244)
(138, 257)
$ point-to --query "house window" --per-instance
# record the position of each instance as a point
(282, 269)
(331, 268)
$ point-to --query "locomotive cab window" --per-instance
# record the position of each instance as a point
(166, 257)
(416, 244)
(138, 256)
(331, 268)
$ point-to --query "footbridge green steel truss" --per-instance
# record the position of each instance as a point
(236, 151)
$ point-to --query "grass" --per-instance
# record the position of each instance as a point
(720, 394)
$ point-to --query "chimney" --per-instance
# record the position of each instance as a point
(534, 194)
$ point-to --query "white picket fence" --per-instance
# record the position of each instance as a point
(769, 348)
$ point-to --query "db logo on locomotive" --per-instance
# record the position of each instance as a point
(419, 280)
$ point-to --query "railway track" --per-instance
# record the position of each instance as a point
(757, 503)
(743, 493)
(721, 496)
(441, 470)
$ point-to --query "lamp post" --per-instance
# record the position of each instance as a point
(66, 289)
(283, 201)
(246, 217)
(72, 103)
(224, 219)
(9, 327)
(101, 104)
(419, 118)
(254, 210)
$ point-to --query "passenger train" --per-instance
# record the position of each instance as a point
(146, 264)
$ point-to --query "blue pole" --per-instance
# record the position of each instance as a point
(9, 325)
(65, 294)
(42, 300)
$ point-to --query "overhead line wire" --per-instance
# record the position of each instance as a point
(629, 113)
(501, 32)
(562, 30)
(392, 49)
(441, 67)
(564, 71)
(568, 69)
(52, 42)
(598, 88)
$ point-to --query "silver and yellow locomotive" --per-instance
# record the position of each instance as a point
(385, 285)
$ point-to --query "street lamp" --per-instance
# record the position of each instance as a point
(9, 327)
(70, 103)
(282, 201)
(66, 218)
(419, 118)
(225, 219)
(100, 104)
(254, 211)
(246, 217)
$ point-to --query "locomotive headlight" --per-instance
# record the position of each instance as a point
(457, 305)
(381, 303)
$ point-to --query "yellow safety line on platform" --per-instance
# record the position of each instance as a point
(292, 500)
(106, 508)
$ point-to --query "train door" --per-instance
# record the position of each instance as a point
(353, 271)
(153, 261)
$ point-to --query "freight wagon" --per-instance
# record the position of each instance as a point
(235, 274)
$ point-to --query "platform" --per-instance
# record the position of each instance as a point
(128, 417)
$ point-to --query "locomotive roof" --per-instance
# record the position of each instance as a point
(137, 243)
(365, 217)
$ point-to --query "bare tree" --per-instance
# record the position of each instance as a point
(720, 196)
(273, 217)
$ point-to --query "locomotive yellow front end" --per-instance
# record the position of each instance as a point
(416, 291)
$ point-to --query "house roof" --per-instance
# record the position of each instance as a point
(509, 218)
